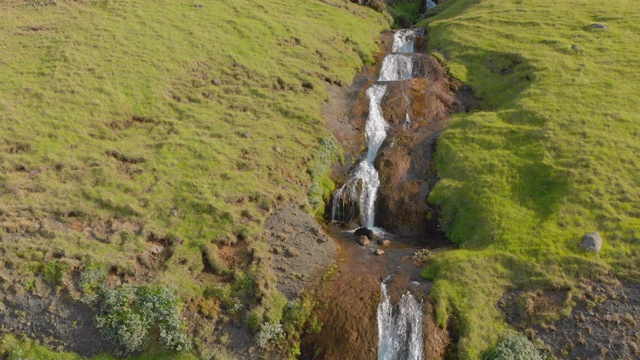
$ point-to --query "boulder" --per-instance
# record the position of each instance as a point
(379, 252)
(384, 242)
(592, 242)
(363, 240)
(363, 231)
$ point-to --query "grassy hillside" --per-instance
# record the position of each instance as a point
(552, 156)
(128, 125)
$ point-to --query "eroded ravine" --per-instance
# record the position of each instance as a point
(401, 107)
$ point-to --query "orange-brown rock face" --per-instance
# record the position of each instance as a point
(416, 111)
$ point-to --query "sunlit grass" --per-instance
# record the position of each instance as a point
(552, 155)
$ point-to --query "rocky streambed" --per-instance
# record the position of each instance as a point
(415, 105)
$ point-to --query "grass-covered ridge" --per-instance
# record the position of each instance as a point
(157, 130)
(552, 156)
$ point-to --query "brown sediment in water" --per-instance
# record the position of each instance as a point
(350, 295)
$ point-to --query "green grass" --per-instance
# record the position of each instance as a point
(115, 113)
(552, 155)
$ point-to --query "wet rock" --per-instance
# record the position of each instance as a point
(597, 26)
(379, 252)
(384, 242)
(363, 231)
(416, 110)
(592, 242)
(363, 240)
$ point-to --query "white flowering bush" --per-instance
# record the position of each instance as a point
(270, 334)
(514, 346)
(127, 314)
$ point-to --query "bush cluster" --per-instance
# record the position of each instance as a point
(126, 315)
(513, 346)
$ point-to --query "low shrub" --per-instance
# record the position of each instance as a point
(513, 346)
(127, 315)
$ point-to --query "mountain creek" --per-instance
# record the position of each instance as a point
(375, 301)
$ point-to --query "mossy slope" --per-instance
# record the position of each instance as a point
(552, 156)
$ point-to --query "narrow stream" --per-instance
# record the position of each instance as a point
(399, 325)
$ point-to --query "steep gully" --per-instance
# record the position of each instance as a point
(402, 110)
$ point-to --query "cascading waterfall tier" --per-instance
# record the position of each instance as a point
(358, 195)
(400, 328)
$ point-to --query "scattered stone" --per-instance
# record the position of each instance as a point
(379, 252)
(598, 26)
(363, 231)
(384, 242)
(199, 6)
(156, 249)
(575, 47)
(592, 242)
(315, 231)
(277, 149)
(363, 240)
(173, 212)
(247, 135)
(217, 82)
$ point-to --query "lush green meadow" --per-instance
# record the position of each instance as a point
(552, 155)
(125, 124)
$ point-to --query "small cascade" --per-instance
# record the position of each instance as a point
(358, 195)
(400, 328)
(396, 67)
(404, 40)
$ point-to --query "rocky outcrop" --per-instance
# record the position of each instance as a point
(299, 249)
(416, 111)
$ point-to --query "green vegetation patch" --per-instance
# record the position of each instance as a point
(147, 136)
(551, 156)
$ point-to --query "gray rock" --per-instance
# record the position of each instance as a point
(156, 249)
(199, 6)
(363, 240)
(217, 82)
(174, 212)
(598, 26)
(575, 47)
(592, 242)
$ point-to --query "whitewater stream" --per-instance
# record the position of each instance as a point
(399, 325)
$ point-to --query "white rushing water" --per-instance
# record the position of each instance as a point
(363, 182)
(399, 329)
(396, 67)
(404, 40)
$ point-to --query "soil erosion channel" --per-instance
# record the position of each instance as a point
(376, 300)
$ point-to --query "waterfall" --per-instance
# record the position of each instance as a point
(396, 67)
(362, 186)
(358, 194)
(400, 329)
(404, 40)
